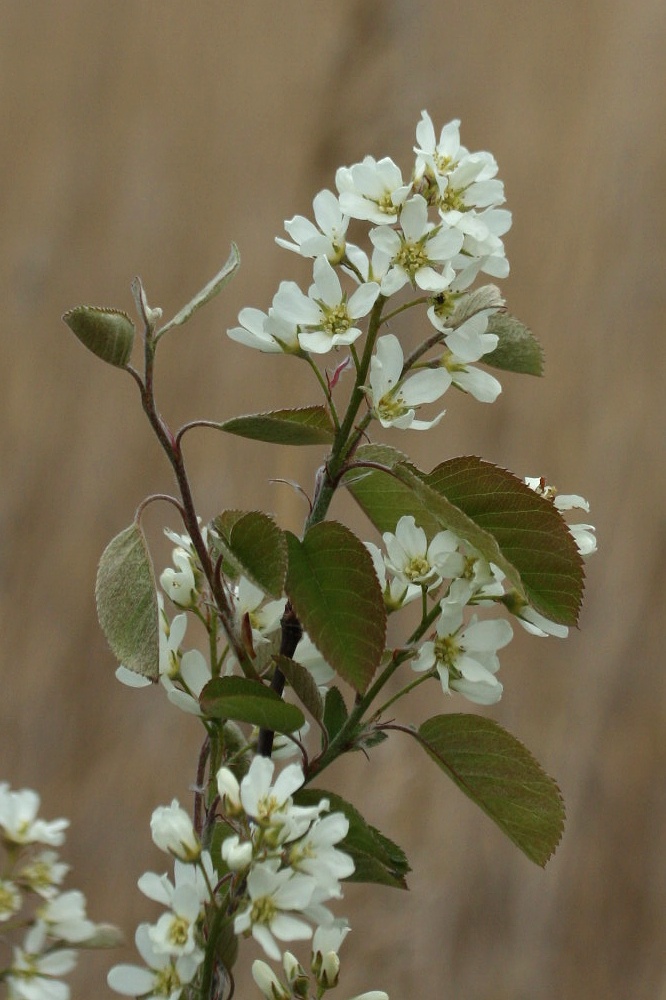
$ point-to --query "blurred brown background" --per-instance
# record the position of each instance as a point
(141, 138)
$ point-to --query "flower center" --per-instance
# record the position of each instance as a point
(179, 930)
(391, 406)
(263, 910)
(453, 199)
(411, 258)
(417, 569)
(167, 982)
(336, 319)
(447, 651)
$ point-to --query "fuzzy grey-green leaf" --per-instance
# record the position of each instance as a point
(108, 333)
(127, 602)
(517, 350)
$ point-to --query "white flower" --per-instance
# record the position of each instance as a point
(465, 657)
(414, 560)
(392, 400)
(180, 584)
(309, 657)
(315, 853)
(328, 240)
(417, 250)
(237, 856)
(262, 800)
(324, 317)
(65, 917)
(326, 944)
(436, 156)
(248, 600)
(174, 933)
(162, 890)
(273, 896)
(10, 899)
(32, 974)
(194, 674)
(19, 823)
(536, 624)
(163, 977)
(482, 385)
(468, 340)
(372, 190)
(396, 592)
(172, 831)
(583, 534)
(266, 332)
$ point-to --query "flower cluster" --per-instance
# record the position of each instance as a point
(462, 653)
(53, 922)
(277, 867)
(284, 855)
(173, 949)
(434, 231)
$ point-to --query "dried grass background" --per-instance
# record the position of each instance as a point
(141, 138)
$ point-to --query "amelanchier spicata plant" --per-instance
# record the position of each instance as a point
(296, 661)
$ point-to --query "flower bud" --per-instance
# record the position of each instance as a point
(237, 856)
(268, 982)
(172, 831)
(229, 792)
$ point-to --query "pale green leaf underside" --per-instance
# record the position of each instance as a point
(127, 602)
(518, 350)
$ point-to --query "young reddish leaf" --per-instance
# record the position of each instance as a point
(527, 527)
(127, 608)
(501, 776)
(333, 588)
(245, 700)
(256, 547)
(307, 425)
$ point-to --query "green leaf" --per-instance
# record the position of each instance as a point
(528, 529)
(376, 858)
(501, 776)
(333, 588)
(127, 607)
(214, 286)
(382, 497)
(108, 333)
(250, 701)
(335, 712)
(307, 425)
(256, 547)
(518, 350)
(303, 685)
